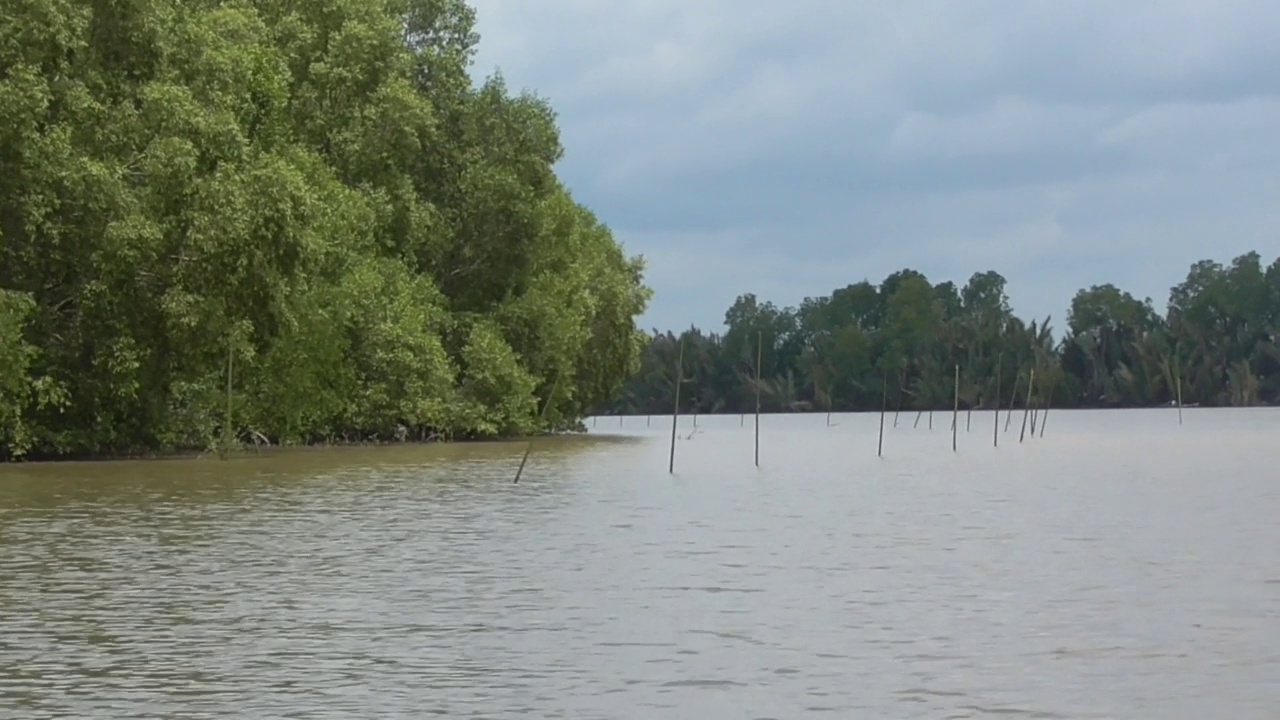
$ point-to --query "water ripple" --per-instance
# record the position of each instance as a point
(1063, 578)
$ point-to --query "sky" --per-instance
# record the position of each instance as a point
(788, 149)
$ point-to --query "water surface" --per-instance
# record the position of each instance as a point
(1122, 566)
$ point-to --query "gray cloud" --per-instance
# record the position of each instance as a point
(787, 149)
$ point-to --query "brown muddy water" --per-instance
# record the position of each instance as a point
(1122, 566)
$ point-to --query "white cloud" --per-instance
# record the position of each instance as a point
(1009, 126)
(786, 149)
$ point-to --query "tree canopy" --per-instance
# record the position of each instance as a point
(1219, 343)
(299, 221)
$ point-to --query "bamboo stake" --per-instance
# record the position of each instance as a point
(520, 470)
(1026, 410)
(1035, 414)
(884, 400)
(675, 409)
(1008, 416)
(759, 360)
(540, 417)
(995, 431)
(955, 411)
(1044, 420)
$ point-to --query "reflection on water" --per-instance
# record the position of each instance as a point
(1122, 566)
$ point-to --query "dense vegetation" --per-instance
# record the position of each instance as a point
(292, 220)
(1219, 340)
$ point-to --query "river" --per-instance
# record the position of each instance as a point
(1120, 566)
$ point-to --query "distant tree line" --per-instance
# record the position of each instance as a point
(1218, 340)
(291, 221)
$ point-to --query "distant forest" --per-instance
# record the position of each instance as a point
(1218, 341)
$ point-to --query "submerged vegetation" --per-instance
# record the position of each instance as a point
(1218, 344)
(292, 221)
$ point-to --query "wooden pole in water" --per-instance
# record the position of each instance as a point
(1044, 419)
(1026, 410)
(1008, 416)
(541, 417)
(648, 420)
(1035, 412)
(759, 360)
(955, 411)
(520, 470)
(995, 431)
(884, 400)
(675, 408)
(1177, 373)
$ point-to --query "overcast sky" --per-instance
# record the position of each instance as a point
(787, 149)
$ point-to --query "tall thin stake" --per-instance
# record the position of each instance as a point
(1044, 419)
(1026, 410)
(884, 400)
(542, 416)
(675, 408)
(1008, 416)
(955, 411)
(995, 431)
(759, 360)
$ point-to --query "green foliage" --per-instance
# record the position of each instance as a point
(1220, 340)
(309, 204)
(15, 359)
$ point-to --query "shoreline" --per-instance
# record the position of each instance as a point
(250, 450)
(582, 429)
(904, 411)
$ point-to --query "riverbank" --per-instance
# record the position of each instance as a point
(249, 449)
